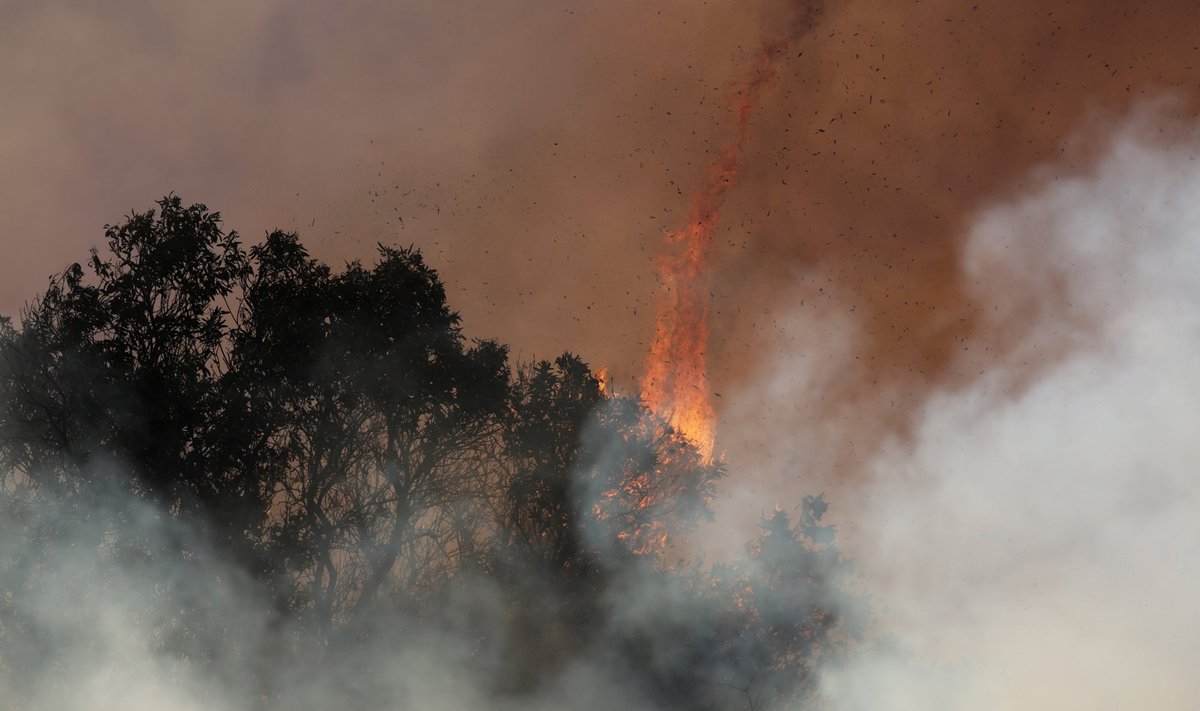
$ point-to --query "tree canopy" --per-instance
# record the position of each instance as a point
(334, 438)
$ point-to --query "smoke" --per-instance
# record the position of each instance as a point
(1032, 535)
(97, 616)
(536, 151)
(1028, 544)
(103, 614)
(109, 602)
(1033, 544)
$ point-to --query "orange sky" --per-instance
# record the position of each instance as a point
(536, 151)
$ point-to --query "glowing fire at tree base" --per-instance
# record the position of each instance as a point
(676, 380)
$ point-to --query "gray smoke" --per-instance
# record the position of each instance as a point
(1034, 545)
(109, 603)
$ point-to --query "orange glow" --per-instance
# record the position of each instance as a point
(676, 384)
(603, 381)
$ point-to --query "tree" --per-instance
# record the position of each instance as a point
(120, 362)
(380, 415)
(218, 421)
(594, 473)
(593, 487)
(110, 412)
(785, 608)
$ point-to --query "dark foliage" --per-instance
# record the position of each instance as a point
(335, 436)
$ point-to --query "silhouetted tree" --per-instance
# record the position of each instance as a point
(335, 436)
(380, 417)
(782, 610)
(109, 395)
(119, 362)
(593, 486)
(594, 474)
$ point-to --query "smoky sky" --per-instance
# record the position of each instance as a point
(536, 151)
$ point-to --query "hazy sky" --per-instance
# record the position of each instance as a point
(536, 150)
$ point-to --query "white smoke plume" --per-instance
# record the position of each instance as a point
(1035, 543)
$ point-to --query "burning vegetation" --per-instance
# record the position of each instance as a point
(237, 478)
(326, 453)
(246, 471)
(675, 383)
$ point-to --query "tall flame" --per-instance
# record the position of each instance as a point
(676, 379)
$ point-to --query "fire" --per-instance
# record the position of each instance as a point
(676, 379)
(603, 381)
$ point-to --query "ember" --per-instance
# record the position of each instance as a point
(676, 379)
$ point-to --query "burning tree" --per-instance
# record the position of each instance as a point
(676, 380)
(190, 422)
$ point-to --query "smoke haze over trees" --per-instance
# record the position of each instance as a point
(238, 478)
(442, 123)
(207, 463)
(954, 287)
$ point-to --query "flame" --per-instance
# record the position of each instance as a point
(675, 384)
(603, 381)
